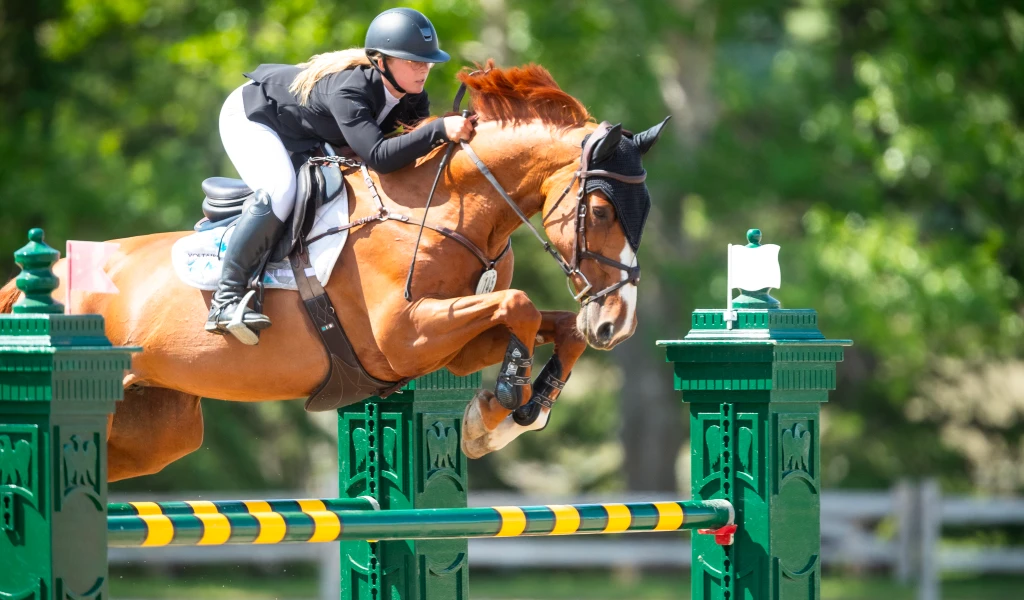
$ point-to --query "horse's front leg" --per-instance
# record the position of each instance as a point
(489, 426)
(426, 336)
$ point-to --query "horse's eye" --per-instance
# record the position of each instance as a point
(599, 212)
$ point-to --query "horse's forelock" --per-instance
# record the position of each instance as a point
(519, 94)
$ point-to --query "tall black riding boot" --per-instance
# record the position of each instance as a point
(256, 232)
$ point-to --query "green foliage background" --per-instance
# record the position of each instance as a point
(879, 143)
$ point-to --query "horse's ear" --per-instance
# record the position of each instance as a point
(646, 139)
(605, 147)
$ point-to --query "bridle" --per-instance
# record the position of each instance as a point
(581, 252)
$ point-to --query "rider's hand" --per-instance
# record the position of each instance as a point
(459, 128)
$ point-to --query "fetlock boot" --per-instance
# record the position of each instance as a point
(255, 234)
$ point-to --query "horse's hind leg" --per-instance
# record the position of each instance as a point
(151, 428)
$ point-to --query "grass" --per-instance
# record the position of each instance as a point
(295, 584)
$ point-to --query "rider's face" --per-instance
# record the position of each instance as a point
(410, 75)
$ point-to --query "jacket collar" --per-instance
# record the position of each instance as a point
(377, 87)
(376, 84)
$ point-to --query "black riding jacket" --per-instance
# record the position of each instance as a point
(342, 110)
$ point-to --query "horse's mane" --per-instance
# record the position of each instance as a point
(521, 94)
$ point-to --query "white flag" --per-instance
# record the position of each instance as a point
(754, 268)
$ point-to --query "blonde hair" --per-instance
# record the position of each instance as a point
(321, 65)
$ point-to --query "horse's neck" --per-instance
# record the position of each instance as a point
(521, 158)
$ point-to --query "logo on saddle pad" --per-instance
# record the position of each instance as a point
(197, 258)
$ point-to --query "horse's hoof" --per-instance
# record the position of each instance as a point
(472, 420)
(474, 449)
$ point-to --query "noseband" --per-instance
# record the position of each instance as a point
(580, 250)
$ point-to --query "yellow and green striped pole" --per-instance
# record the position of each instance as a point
(318, 522)
(189, 507)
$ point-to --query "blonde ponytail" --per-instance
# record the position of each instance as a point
(321, 65)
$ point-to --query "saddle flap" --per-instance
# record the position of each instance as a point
(310, 195)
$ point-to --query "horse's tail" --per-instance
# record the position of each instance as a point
(8, 296)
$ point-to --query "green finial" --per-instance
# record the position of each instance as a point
(37, 280)
(753, 238)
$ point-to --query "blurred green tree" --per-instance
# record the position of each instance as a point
(879, 142)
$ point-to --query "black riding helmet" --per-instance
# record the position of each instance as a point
(402, 33)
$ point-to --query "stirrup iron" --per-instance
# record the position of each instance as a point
(238, 328)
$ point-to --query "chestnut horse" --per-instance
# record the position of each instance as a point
(529, 134)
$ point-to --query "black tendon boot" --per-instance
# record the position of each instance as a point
(255, 234)
(546, 389)
(509, 387)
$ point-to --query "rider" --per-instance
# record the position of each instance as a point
(352, 98)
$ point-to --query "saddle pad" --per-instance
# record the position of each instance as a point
(196, 258)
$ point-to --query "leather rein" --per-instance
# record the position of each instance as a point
(580, 249)
(385, 214)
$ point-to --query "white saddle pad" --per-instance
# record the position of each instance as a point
(196, 258)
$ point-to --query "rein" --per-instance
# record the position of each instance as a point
(580, 250)
(487, 280)
(385, 214)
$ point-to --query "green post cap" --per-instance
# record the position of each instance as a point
(36, 279)
(755, 298)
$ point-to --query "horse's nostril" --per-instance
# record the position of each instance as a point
(604, 332)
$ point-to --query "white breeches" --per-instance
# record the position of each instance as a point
(258, 154)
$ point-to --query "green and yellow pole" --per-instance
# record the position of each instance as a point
(320, 524)
(193, 507)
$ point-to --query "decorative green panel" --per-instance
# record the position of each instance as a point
(405, 453)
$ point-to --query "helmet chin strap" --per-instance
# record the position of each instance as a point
(386, 72)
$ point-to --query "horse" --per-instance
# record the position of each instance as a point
(529, 133)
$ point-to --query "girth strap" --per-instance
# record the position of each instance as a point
(347, 382)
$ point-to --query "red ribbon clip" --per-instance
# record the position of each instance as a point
(723, 536)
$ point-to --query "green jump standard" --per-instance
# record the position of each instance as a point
(59, 379)
(755, 379)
